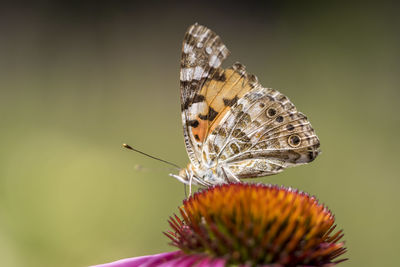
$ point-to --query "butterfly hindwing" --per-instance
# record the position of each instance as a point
(261, 134)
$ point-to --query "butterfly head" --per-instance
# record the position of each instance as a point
(185, 173)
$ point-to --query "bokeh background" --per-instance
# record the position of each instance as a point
(78, 79)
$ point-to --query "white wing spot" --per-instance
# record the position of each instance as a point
(201, 36)
(208, 50)
(223, 50)
(214, 61)
(198, 73)
(191, 58)
(196, 108)
(199, 45)
(186, 74)
(187, 48)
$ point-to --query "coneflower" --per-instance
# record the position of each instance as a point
(249, 225)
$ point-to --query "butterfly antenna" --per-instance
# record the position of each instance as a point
(150, 156)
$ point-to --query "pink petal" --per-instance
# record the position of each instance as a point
(144, 261)
(182, 261)
(169, 259)
(207, 262)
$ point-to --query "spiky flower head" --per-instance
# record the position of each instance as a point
(257, 225)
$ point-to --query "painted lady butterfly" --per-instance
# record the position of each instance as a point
(234, 128)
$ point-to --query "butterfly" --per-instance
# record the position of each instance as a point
(234, 128)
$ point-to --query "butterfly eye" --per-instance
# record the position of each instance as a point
(294, 140)
(271, 112)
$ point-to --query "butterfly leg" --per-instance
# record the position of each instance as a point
(229, 176)
(180, 179)
(200, 182)
(190, 182)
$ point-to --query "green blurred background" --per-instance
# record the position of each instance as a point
(78, 79)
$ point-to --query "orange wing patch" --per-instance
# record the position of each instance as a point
(221, 92)
(199, 132)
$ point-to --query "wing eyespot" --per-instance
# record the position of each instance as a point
(271, 112)
(294, 140)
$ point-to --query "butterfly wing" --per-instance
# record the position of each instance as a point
(202, 55)
(231, 121)
(261, 134)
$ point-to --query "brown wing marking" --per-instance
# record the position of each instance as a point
(220, 93)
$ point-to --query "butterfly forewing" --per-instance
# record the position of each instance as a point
(202, 54)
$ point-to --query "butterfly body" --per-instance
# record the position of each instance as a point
(235, 128)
